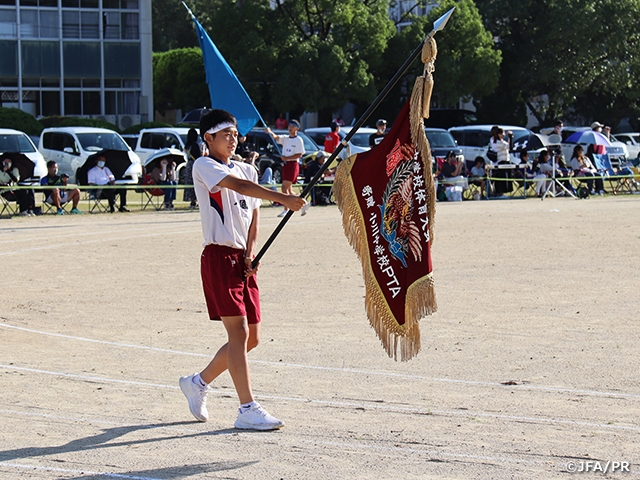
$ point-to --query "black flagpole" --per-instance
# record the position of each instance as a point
(437, 26)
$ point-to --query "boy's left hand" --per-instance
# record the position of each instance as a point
(248, 269)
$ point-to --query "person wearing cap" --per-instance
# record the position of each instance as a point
(381, 131)
(292, 151)
(597, 127)
(332, 140)
(60, 195)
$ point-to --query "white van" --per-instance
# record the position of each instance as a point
(17, 141)
(474, 139)
(71, 146)
(150, 140)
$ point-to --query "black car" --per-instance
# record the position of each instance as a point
(270, 152)
(442, 142)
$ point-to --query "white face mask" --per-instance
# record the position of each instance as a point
(560, 129)
(101, 164)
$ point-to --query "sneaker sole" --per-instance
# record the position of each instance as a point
(262, 428)
(196, 415)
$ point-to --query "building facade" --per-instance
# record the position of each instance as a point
(86, 58)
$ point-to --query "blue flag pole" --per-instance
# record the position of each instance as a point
(225, 90)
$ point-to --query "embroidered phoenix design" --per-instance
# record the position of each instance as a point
(397, 227)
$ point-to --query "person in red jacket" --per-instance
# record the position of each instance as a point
(332, 140)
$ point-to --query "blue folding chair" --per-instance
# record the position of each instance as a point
(622, 179)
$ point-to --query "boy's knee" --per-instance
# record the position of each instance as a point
(252, 343)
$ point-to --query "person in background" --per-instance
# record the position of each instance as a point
(59, 196)
(100, 175)
(543, 171)
(281, 122)
(332, 140)
(10, 175)
(501, 147)
(558, 126)
(582, 167)
(292, 151)
(320, 195)
(478, 176)
(381, 131)
(164, 173)
(193, 151)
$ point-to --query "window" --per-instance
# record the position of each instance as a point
(70, 24)
(40, 59)
(90, 26)
(16, 143)
(91, 103)
(171, 141)
(58, 141)
(111, 24)
(49, 24)
(9, 63)
(29, 23)
(72, 103)
(81, 60)
(50, 105)
(121, 60)
(130, 26)
(8, 25)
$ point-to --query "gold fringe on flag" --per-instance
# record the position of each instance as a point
(399, 341)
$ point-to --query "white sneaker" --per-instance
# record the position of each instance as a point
(197, 397)
(257, 418)
(282, 213)
(304, 209)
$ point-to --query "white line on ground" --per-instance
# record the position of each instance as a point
(343, 370)
(69, 470)
(331, 403)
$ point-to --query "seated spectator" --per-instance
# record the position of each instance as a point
(478, 176)
(320, 195)
(582, 167)
(101, 175)
(267, 176)
(542, 171)
(9, 176)
(452, 169)
(164, 173)
(332, 140)
(61, 195)
(562, 172)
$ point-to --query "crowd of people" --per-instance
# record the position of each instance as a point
(549, 167)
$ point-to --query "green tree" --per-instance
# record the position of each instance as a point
(467, 65)
(303, 54)
(179, 80)
(19, 120)
(558, 56)
(172, 26)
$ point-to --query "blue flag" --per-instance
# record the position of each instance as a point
(225, 89)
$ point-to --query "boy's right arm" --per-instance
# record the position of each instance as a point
(250, 189)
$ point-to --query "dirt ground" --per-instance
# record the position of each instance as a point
(528, 370)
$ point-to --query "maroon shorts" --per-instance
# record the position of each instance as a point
(290, 171)
(226, 291)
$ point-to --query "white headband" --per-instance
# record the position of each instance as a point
(220, 126)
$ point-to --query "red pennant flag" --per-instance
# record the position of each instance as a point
(387, 199)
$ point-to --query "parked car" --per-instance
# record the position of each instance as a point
(442, 142)
(270, 152)
(150, 140)
(131, 139)
(17, 141)
(359, 142)
(632, 141)
(71, 146)
(474, 139)
(618, 152)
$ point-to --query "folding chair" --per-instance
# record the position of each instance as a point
(150, 196)
(7, 205)
(48, 206)
(96, 201)
(617, 180)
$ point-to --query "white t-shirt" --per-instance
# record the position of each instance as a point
(100, 176)
(226, 215)
(290, 145)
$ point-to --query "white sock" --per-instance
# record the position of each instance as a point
(197, 379)
(246, 406)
